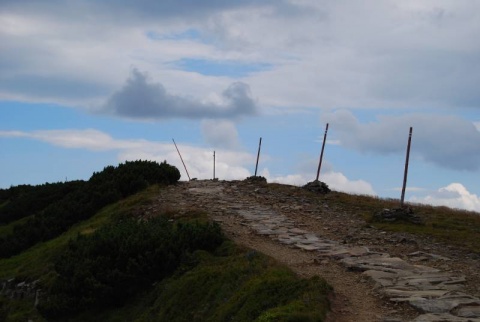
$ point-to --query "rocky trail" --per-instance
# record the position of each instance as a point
(376, 275)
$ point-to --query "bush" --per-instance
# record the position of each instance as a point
(103, 188)
(118, 261)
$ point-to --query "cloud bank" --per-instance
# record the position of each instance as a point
(220, 133)
(447, 141)
(141, 99)
(327, 54)
(455, 195)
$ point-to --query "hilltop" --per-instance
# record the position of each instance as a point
(335, 236)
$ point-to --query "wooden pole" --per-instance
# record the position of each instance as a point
(321, 154)
(213, 165)
(181, 159)
(258, 156)
(406, 168)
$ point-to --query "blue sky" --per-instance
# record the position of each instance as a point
(85, 84)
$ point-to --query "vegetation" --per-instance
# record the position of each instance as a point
(451, 226)
(81, 201)
(25, 200)
(442, 224)
(237, 284)
(106, 268)
(114, 266)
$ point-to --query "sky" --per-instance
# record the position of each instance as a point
(85, 84)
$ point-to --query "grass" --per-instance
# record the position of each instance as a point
(8, 229)
(460, 228)
(451, 226)
(233, 284)
(37, 262)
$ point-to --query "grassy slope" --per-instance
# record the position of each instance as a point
(6, 230)
(451, 226)
(235, 284)
(221, 286)
(36, 262)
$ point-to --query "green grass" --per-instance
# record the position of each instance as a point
(235, 284)
(245, 286)
(8, 229)
(36, 261)
(452, 226)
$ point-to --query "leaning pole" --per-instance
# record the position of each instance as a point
(406, 168)
(258, 156)
(321, 153)
(181, 159)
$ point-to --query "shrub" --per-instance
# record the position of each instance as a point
(83, 201)
(118, 261)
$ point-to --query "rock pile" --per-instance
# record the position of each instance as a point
(13, 289)
(317, 186)
(256, 179)
(398, 214)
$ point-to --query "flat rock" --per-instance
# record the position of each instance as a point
(307, 247)
(443, 304)
(427, 255)
(377, 261)
(443, 317)
(383, 279)
(297, 231)
(395, 292)
(468, 311)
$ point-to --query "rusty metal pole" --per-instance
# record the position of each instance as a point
(181, 159)
(258, 156)
(321, 154)
(406, 168)
(213, 165)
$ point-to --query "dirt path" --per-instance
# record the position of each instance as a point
(236, 205)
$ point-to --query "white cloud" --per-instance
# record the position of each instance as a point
(335, 180)
(340, 182)
(327, 54)
(220, 133)
(455, 195)
(446, 140)
(199, 161)
(477, 125)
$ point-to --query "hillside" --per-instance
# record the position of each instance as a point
(114, 266)
(379, 271)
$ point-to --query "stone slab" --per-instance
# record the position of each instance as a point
(307, 247)
(395, 292)
(443, 317)
(444, 304)
(468, 311)
(297, 231)
(383, 279)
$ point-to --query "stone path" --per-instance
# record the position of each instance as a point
(436, 295)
